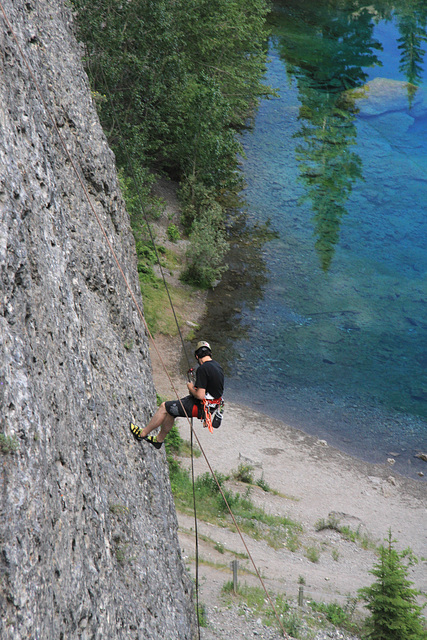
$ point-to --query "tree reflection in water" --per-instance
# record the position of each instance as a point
(412, 25)
(326, 48)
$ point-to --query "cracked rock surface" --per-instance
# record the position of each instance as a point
(88, 527)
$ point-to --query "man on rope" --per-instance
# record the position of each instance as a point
(205, 395)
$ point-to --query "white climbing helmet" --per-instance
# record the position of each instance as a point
(202, 345)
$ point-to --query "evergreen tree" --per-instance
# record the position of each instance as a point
(392, 600)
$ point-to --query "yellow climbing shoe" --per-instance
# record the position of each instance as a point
(137, 431)
(153, 440)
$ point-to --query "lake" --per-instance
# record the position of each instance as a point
(321, 319)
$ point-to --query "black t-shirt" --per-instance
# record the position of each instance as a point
(210, 376)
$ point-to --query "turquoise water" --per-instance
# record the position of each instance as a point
(321, 319)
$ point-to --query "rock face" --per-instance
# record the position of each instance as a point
(88, 529)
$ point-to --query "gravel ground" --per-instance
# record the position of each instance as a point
(240, 623)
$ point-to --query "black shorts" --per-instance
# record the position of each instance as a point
(193, 408)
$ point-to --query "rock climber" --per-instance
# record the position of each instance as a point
(204, 393)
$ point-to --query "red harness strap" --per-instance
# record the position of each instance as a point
(206, 406)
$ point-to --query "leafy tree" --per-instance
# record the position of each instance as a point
(391, 600)
(175, 83)
(204, 151)
(208, 247)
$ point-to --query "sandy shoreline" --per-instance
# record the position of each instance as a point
(318, 480)
(334, 418)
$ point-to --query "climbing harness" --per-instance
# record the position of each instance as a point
(212, 407)
(208, 405)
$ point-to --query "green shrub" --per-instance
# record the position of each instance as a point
(292, 625)
(181, 485)
(173, 233)
(208, 246)
(313, 554)
(202, 615)
(332, 611)
(174, 442)
(263, 484)
(331, 523)
(121, 552)
(244, 473)
(207, 482)
(8, 444)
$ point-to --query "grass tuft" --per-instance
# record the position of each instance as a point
(312, 554)
(347, 533)
(202, 617)
(262, 484)
(8, 444)
(244, 473)
(338, 616)
(278, 531)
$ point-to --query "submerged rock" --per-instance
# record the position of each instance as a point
(383, 95)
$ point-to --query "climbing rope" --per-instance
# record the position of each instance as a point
(196, 532)
(138, 190)
(141, 315)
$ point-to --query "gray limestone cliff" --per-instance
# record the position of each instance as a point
(88, 530)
